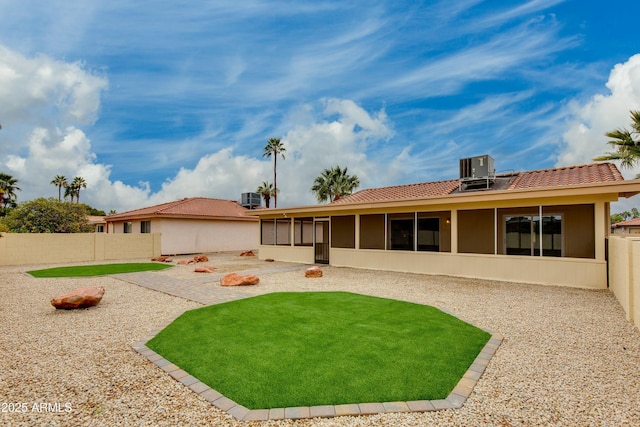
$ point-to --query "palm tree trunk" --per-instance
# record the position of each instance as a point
(275, 182)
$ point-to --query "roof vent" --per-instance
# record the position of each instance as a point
(250, 200)
(476, 172)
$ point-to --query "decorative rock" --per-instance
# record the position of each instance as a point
(200, 258)
(247, 253)
(314, 271)
(205, 269)
(163, 258)
(234, 279)
(79, 298)
(186, 262)
(269, 260)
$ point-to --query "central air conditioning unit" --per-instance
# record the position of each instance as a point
(477, 171)
(250, 200)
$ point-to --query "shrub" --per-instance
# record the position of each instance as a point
(48, 216)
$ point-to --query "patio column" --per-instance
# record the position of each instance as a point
(601, 225)
(454, 231)
(357, 230)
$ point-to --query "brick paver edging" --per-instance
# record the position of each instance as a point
(456, 398)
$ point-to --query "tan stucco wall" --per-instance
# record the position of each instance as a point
(301, 254)
(580, 273)
(19, 249)
(624, 274)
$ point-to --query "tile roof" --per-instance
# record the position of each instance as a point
(571, 175)
(399, 192)
(557, 177)
(635, 222)
(193, 207)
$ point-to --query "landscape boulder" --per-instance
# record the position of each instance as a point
(247, 253)
(314, 271)
(205, 269)
(186, 262)
(162, 259)
(234, 279)
(200, 258)
(79, 298)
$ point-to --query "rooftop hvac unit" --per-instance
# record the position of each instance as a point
(250, 200)
(477, 171)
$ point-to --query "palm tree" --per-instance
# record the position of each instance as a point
(8, 188)
(266, 190)
(78, 183)
(334, 183)
(274, 148)
(69, 191)
(626, 143)
(59, 181)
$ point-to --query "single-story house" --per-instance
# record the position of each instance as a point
(192, 225)
(544, 226)
(631, 226)
(97, 222)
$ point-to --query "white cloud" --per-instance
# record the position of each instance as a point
(52, 101)
(584, 137)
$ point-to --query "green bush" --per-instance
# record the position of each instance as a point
(48, 216)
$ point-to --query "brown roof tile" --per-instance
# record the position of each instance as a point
(571, 175)
(634, 222)
(400, 192)
(193, 207)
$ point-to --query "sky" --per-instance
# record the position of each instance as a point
(152, 102)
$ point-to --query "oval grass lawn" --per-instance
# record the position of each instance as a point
(321, 348)
(98, 270)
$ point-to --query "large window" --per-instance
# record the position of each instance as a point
(343, 231)
(275, 231)
(145, 226)
(303, 231)
(428, 234)
(268, 232)
(372, 231)
(127, 227)
(523, 235)
(401, 231)
(283, 231)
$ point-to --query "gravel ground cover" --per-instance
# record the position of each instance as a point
(568, 357)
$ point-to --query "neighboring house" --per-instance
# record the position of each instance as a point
(192, 225)
(545, 226)
(631, 226)
(97, 222)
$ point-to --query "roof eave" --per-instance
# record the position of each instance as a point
(617, 188)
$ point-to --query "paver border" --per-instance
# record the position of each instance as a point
(454, 400)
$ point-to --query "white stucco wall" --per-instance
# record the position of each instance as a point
(186, 236)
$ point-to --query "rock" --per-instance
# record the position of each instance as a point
(314, 271)
(234, 279)
(186, 262)
(79, 298)
(269, 260)
(247, 253)
(200, 258)
(161, 259)
(205, 269)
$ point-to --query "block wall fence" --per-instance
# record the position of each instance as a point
(624, 274)
(20, 249)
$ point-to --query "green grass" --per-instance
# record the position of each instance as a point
(97, 270)
(321, 348)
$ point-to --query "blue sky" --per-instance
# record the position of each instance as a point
(151, 102)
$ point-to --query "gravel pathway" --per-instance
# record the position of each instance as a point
(568, 357)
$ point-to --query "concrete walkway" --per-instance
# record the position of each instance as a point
(204, 289)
